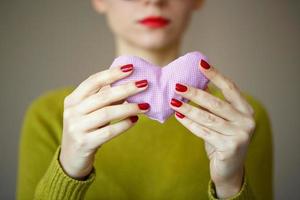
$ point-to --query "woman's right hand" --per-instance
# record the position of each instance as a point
(88, 111)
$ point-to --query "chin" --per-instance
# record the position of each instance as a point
(153, 41)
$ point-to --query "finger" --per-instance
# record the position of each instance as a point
(114, 103)
(110, 95)
(207, 134)
(98, 137)
(229, 89)
(94, 83)
(202, 117)
(104, 115)
(206, 100)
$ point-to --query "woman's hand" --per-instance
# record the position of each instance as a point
(88, 111)
(225, 126)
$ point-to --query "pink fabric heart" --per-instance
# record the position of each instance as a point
(162, 81)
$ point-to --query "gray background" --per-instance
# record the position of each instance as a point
(48, 44)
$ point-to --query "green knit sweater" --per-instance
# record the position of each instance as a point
(148, 161)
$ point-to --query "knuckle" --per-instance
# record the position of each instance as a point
(209, 118)
(103, 96)
(104, 112)
(78, 110)
(205, 132)
(90, 80)
(107, 133)
(72, 128)
(93, 76)
(188, 109)
(214, 73)
(106, 76)
(205, 129)
(193, 92)
(215, 104)
(125, 89)
(235, 145)
(67, 113)
(251, 110)
(67, 101)
(111, 94)
(193, 126)
(230, 85)
(98, 77)
(189, 123)
(250, 124)
(243, 138)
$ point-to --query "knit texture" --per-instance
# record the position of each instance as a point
(149, 161)
(57, 185)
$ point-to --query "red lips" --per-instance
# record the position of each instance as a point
(154, 21)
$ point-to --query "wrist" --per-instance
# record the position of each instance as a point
(231, 187)
(78, 171)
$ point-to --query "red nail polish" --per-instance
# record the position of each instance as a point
(144, 106)
(180, 88)
(206, 88)
(133, 119)
(127, 68)
(176, 103)
(141, 83)
(204, 64)
(178, 114)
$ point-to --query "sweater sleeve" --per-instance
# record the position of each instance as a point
(244, 194)
(56, 185)
(40, 175)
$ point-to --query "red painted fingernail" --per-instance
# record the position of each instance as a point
(144, 106)
(133, 119)
(205, 88)
(178, 114)
(181, 88)
(176, 103)
(141, 83)
(127, 68)
(204, 64)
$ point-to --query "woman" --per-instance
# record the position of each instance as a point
(202, 152)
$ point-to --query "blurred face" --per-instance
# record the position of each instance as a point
(151, 24)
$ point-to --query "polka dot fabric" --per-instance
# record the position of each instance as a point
(162, 81)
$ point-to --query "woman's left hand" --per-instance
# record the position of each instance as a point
(225, 126)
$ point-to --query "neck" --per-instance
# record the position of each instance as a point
(159, 57)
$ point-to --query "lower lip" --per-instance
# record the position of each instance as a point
(155, 23)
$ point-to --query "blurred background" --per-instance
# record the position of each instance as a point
(49, 44)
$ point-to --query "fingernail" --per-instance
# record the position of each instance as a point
(204, 64)
(127, 68)
(176, 103)
(178, 114)
(180, 88)
(133, 119)
(205, 88)
(141, 83)
(144, 106)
